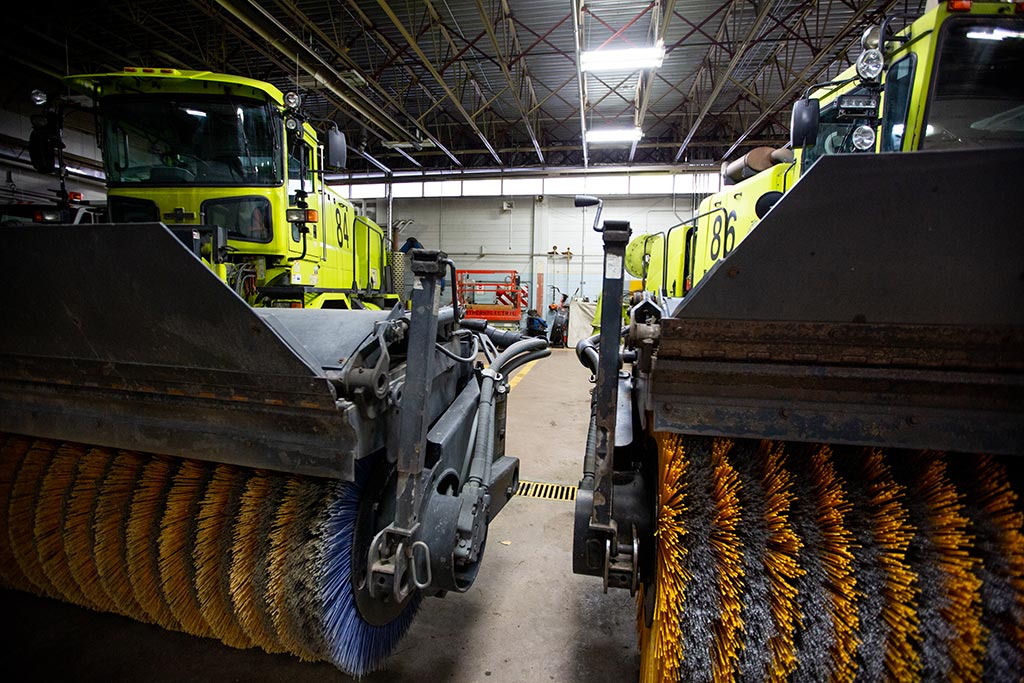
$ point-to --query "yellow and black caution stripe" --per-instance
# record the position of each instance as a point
(780, 561)
(539, 489)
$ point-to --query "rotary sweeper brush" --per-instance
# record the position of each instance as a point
(805, 468)
(294, 480)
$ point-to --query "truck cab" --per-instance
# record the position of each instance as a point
(234, 166)
(950, 80)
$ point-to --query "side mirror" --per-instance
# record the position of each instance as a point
(803, 126)
(337, 149)
(42, 150)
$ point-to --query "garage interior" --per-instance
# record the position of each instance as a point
(841, 502)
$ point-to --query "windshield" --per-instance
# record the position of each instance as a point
(978, 97)
(174, 140)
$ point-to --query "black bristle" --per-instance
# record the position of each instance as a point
(758, 625)
(999, 543)
(701, 606)
(815, 637)
(873, 631)
(941, 554)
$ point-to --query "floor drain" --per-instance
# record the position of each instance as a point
(539, 489)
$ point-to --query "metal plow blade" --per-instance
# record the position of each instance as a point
(872, 305)
(117, 335)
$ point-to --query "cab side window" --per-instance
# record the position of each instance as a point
(298, 154)
(898, 85)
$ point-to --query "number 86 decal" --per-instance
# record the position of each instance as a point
(723, 244)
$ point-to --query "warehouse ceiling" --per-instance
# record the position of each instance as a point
(436, 85)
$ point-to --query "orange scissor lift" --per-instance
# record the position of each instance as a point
(493, 295)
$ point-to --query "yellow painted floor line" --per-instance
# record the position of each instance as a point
(522, 373)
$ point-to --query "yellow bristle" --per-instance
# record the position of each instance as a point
(53, 501)
(79, 535)
(893, 532)
(147, 508)
(664, 646)
(1000, 503)
(175, 543)
(948, 533)
(111, 527)
(727, 548)
(216, 519)
(249, 560)
(12, 453)
(781, 561)
(831, 508)
(22, 509)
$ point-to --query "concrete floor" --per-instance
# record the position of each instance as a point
(527, 617)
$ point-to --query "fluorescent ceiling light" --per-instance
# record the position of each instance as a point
(629, 59)
(614, 135)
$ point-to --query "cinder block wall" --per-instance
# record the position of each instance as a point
(480, 234)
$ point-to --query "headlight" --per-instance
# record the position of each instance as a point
(871, 39)
(38, 97)
(292, 100)
(292, 124)
(863, 138)
(302, 215)
(48, 216)
(870, 64)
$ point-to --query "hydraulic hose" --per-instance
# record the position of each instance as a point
(531, 344)
(470, 449)
(590, 453)
(522, 360)
(462, 359)
(480, 467)
(586, 352)
(451, 285)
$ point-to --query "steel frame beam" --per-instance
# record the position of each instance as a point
(752, 32)
(503, 63)
(437, 77)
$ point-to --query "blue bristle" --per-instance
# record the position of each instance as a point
(353, 645)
